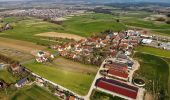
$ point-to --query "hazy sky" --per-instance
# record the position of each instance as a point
(106, 0)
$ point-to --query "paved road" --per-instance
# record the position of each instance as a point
(87, 97)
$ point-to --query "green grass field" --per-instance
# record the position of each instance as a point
(98, 95)
(75, 80)
(154, 70)
(162, 54)
(33, 93)
(86, 25)
(7, 76)
(154, 51)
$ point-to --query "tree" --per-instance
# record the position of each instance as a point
(168, 15)
(168, 22)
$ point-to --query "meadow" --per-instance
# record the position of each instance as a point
(163, 55)
(33, 92)
(98, 95)
(153, 51)
(7, 76)
(85, 25)
(155, 71)
(72, 75)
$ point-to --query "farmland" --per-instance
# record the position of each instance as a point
(154, 70)
(60, 35)
(154, 51)
(85, 25)
(72, 75)
(7, 76)
(32, 93)
(158, 53)
(98, 95)
(27, 93)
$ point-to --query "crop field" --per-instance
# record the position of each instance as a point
(98, 95)
(20, 45)
(157, 28)
(7, 76)
(60, 35)
(33, 92)
(153, 51)
(72, 75)
(154, 70)
(85, 25)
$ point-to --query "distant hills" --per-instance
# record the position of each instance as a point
(106, 1)
(94, 1)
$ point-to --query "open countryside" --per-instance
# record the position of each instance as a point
(69, 50)
(73, 75)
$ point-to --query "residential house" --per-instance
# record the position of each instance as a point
(21, 82)
(15, 67)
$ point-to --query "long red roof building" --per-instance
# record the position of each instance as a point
(117, 87)
(118, 73)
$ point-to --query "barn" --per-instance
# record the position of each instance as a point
(117, 87)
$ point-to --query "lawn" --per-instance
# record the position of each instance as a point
(33, 93)
(7, 76)
(77, 78)
(154, 51)
(154, 70)
(98, 95)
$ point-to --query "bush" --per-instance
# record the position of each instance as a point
(160, 19)
(168, 22)
(168, 15)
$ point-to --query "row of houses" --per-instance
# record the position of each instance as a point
(97, 48)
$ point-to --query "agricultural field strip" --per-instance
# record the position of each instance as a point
(20, 45)
(60, 35)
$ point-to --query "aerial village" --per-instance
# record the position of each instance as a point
(111, 51)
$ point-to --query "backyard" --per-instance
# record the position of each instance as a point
(7, 76)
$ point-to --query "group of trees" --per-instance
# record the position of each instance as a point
(7, 59)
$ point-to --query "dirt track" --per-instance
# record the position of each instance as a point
(19, 45)
(61, 35)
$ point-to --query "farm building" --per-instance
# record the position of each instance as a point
(118, 73)
(122, 67)
(21, 82)
(1, 66)
(117, 87)
(15, 67)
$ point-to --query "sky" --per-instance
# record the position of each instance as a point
(108, 0)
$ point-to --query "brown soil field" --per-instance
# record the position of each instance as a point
(69, 65)
(15, 54)
(61, 35)
(23, 46)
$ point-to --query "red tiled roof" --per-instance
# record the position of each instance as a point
(117, 66)
(118, 73)
(117, 87)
